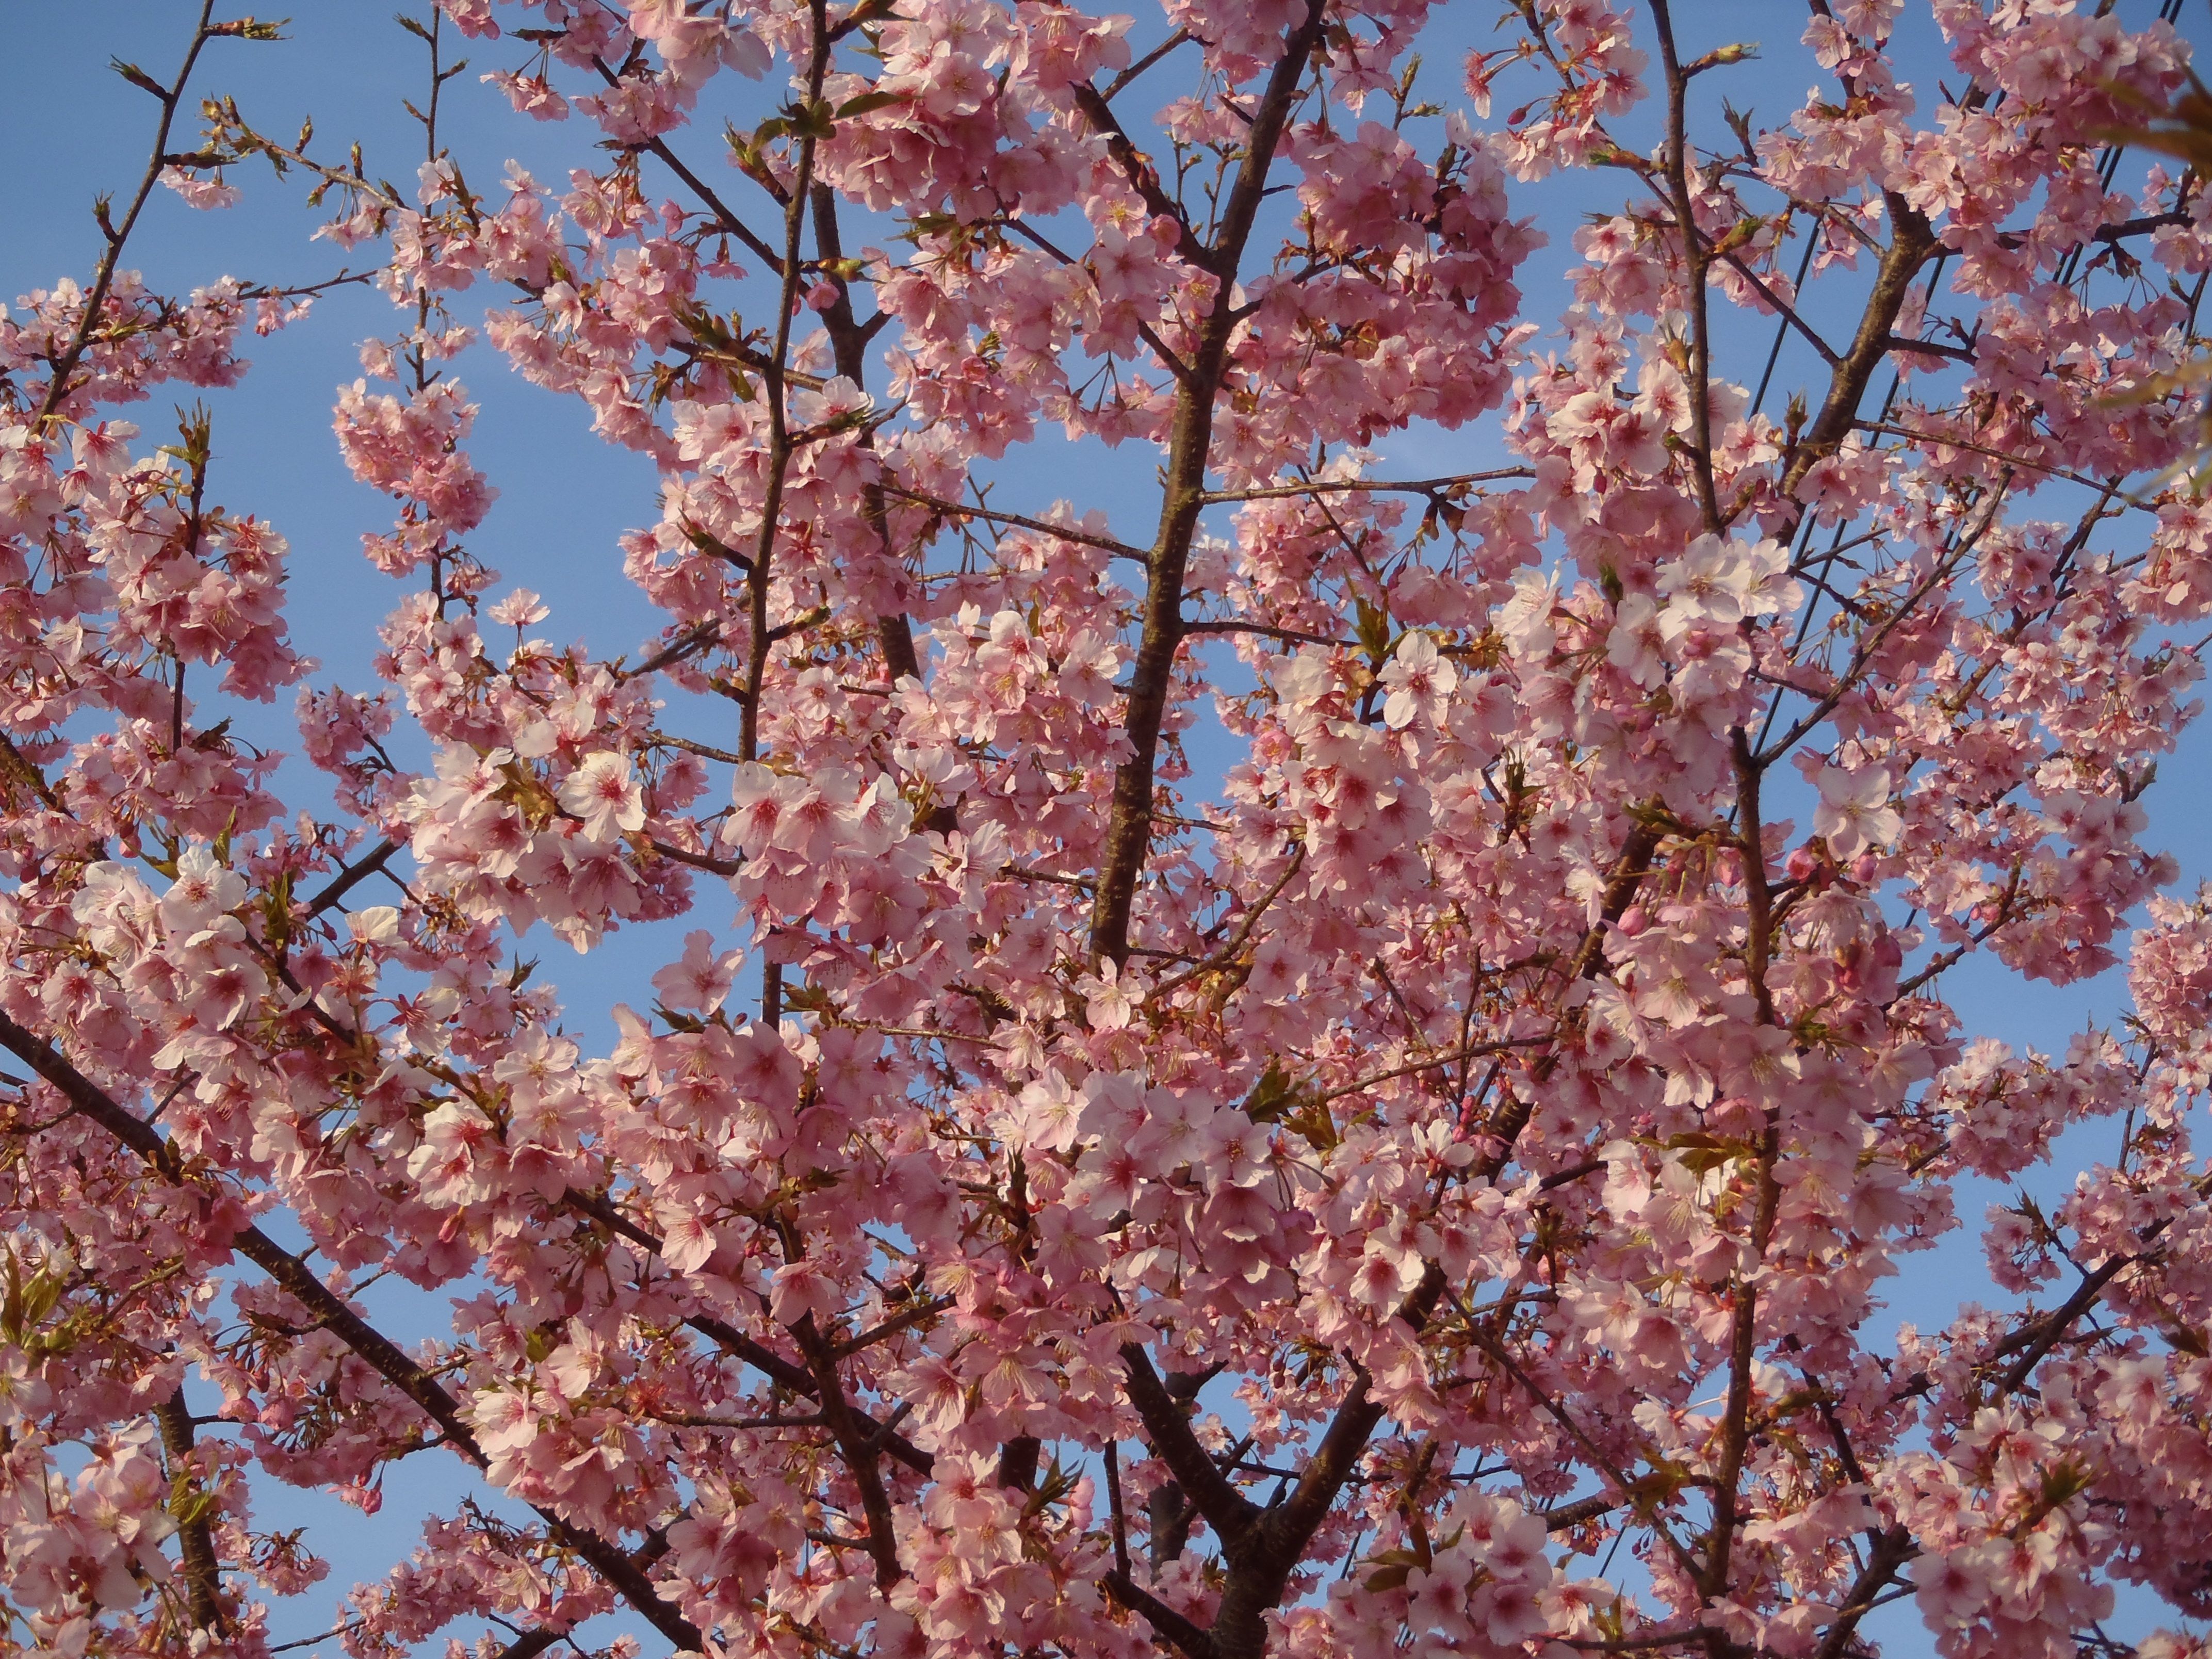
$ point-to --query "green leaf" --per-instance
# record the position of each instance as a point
(276, 910)
(1317, 1125)
(1703, 1153)
(1275, 1098)
(188, 1504)
(1393, 1567)
(252, 28)
(1373, 632)
(807, 999)
(138, 78)
(867, 102)
(1272, 1096)
(11, 1308)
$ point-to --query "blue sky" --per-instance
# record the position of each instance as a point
(76, 130)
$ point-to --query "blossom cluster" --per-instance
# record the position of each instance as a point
(1284, 1065)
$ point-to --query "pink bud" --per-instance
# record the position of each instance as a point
(1632, 921)
(1863, 869)
(1800, 863)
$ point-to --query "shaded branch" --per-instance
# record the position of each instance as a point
(1163, 1619)
(1019, 521)
(1912, 243)
(800, 1380)
(352, 876)
(330, 1312)
(1360, 486)
(2033, 1341)
(1226, 1509)
(1228, 952)
(195, 1537)
(724, 218)
(1189, 444)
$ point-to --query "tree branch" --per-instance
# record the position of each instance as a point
(1163, 1619)
(352, 876)
(1912, 241)
(195, 1537)
(1016, 520)
(104, 276)
(800, 1380)
(1226, 1509)
(1129, 824)
(861, 1449)
(724, 218)
(1362, 486)
(330, 1312)
(1698, 259)
(2036, 1341)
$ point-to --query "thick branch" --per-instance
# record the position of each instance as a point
(195, 1537)
(1138, 169)
(862, 1451)
(1891, 1550)
(780, 440)
(2033, 1341)
(1129, 834)
(1743, 1336)
(1163, 1619)
(1226, 1509)
(848, 344)
(1911, 243)
(1259, 1573)
(1567, 1516)
(352, 876)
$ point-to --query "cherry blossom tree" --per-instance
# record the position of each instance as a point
(1422, 1185)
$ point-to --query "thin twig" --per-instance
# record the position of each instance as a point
(104, 277)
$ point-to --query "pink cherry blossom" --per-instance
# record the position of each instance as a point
(702, 980)
(1420, 683)
(603, 792)
(1268, 1055)
(1855, 811)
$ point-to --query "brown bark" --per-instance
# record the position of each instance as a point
(1129, 827)
(202, 1575)
(327, 1309)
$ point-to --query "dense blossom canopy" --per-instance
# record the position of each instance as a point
(1068, 1197)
